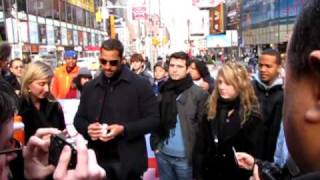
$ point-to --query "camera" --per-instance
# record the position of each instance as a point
(56, 147)
(269, 171)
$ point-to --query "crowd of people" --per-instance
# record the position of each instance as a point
(232, 126)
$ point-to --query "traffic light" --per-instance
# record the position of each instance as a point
(217, 19)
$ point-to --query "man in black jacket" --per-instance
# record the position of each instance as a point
(302, 92)
(268, 88)
(116, 110)
(5, 52)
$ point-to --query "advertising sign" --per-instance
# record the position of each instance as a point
(260, 11)
(93, 39)
(80, 36)
(64, 39)
(139, 13)
(42, 33)
(33, 29)
(69, 36)
(206, 3)
(85, 40)
(75, 37)
(57, 35)
(84, 4)
(23, 31)
(50, 34)
(217, 19)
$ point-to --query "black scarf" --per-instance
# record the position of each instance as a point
(168, 105)
(223, 108)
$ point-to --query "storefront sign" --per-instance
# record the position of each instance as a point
(84, 4)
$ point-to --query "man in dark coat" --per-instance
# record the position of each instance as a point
(116, 110)
(5, 52)
(301, 97)
(268, 87)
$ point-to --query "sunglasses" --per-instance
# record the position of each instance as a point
(13, 146)
(111, 62)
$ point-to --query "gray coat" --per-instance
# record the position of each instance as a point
(191, 107)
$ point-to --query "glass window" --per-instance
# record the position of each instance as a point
(56, 13)
(45, 8)
(8, 5)
(80, 16)
(32, 7)
(87, 18)
(69, 12)
(57, 35)
(62, 10)
(74, 14)
(42, 34)
(22, 6)
(69, 36)
(89, 38)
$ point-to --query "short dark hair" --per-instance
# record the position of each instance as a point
(7, 106)
(161, 64)
(112, 44)
(14, 60)
(273, 52)
(5, 51)
(201, 67)
(181, 55)
(305, 38)
(136, 57)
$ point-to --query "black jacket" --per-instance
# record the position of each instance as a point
(13, 81)
(50, 115)
(214, 158)
(6, 87)
(127, 100)
(271, 101)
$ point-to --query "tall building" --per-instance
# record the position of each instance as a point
(42, 26)
(268, 23)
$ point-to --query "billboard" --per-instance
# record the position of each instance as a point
(259, 12)
(84, 4)
(139, 13)
(229, 39)
(217, 19)
(206, 3)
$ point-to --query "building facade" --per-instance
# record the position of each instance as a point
(42, 26)
(268, 23)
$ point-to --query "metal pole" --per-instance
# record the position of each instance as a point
(104, 8)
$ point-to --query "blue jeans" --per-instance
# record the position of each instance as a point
(173, 168)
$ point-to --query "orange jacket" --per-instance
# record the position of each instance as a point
(62, 81)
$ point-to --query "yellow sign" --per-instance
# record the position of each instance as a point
(98, 16)
(112, 27)
(85, 4)
(155, 41)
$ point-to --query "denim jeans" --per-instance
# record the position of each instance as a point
(173, 168)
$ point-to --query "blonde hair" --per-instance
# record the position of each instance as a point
(235, 75)
(35, 71)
